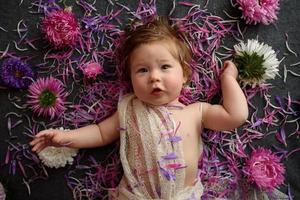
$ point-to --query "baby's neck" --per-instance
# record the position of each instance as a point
(171, 106)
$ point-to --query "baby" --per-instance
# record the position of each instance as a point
(160, 138)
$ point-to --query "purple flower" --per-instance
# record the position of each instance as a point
(47, 97)
(264, 168)
(16, 74)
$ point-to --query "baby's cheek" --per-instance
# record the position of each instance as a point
(175, 85)
(135, 83)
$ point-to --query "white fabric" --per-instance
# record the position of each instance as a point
(146, 138)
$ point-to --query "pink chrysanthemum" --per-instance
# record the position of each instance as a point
(259, 11)
(92, 69)
(264, 169)
(61, 28)
(47, 97)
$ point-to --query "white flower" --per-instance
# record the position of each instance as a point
(256, 62)
(57, 156)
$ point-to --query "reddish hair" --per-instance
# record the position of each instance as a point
(159, 29)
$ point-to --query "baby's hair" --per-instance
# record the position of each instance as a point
(158, 29)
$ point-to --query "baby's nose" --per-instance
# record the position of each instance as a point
(154, 76)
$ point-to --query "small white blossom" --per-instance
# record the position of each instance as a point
(57, 156)
(269, 63)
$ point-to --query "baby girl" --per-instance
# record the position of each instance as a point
(160, 138)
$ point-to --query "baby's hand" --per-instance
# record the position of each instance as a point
(230, 69)
(50, 137)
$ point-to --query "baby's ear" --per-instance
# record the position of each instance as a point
(185, 79)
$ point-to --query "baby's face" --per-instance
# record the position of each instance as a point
(157, 77)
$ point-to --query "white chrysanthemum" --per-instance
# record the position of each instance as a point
(57, 156)
(256, 62)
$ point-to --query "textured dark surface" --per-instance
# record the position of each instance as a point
(274, 35)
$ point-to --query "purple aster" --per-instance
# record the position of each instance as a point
(47, 97)
(16, 74)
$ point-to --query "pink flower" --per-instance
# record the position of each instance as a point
(92, 69)
(259, 11)
(61, 28)
(47, 97)
(264, 168)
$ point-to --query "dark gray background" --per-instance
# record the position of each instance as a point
(274, 35)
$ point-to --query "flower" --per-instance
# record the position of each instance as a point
(61, 28)
(16, 74)
(264, 168)
(46, 97)
(259, 11)
(57, 156)
(2, 192)
(92, 69)
(256, 62)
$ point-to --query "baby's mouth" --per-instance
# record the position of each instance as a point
(156, 91)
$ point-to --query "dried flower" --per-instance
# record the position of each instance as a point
(47, 97)
(92, 69)
(16, 74)
(264, 169)
(61, 28)
(256, 62)
(2, 192)
(57, 156)
(259, 11)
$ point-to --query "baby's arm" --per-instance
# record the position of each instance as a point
(86, 137)
(234, 111)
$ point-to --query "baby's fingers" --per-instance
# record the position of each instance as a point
(38, 144)
(36, 140)
(47, 133)
(230, 69)
(41, 140)
(39, 147)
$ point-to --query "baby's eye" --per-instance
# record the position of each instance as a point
(142, 70)
(166, 66)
